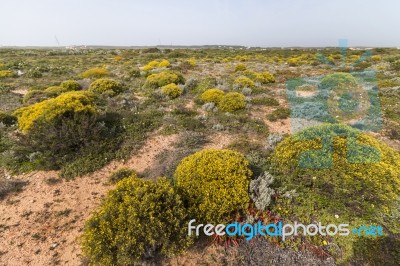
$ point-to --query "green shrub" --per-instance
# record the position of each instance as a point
(232, 101)
(214, 183)
(52, 108)
(6, 74)
(212, 95)
(163, 78)
(35, 96)
(206, 83)
(7, 119)
(265, 78)
(338, 80)
(97, 72)
(71, 85)
(172, 91)
(242, 82)
(240, 67)
(120, 174)
(106, 86)
(358, 180)
(280, 113)
(139, 219)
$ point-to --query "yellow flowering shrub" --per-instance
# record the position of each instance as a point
(212, 95)
(163, 78)
(55, 90)
(164, 63)
(97, 72)
(106, 86)
(6, 74)
(360, 181)
(171, 90)
(47, 110)
(232, 101)
(151, 65)
(264, 77)
(240, 67)
(214, 183)
(138, 218)
(242, 82)
(192, 61)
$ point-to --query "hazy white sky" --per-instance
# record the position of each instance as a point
(184, 22)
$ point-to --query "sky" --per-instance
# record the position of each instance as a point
(265, 23)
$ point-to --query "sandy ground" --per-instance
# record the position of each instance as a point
(42, 224)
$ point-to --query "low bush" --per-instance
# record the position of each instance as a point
(232, 101)
(120, 174)
(171, 90)
(106, 86)
(97, 72)
(264, 77)
(279, 113)
(267, 101)
(138, 220)
(240, 67)
(214, 183)
(338, 171)
(71, 85)
(55, 90)
(6, 74)
(46, 111)
(7, 119)
(212, 95)
(35, 96)
(163, 78)
(242, 82)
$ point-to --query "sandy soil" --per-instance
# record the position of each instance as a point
(42, 224)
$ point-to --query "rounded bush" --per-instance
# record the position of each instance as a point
(232, 101)
(47, 110)
(6, 74)
(151, 65)
(357, 178)
(55, 90)
(242, 82)
(35, 96)
(163, 78)
(97, 72)
(337, 80)
(240, 67)
(212, 95)
(106, 86)
(214, 183)
(264, 77)
(138, 219)
(164, 63)
(71, 85)
(171, 90)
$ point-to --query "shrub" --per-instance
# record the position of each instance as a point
(280, 113)
(71, 85)
(268, 101)
(232, 101)
(151, 65)
(55, 90)
(214, 183)
(35, 96)
(7, 119)
(337, 80)
(261, 192)
(240, 67)
(242, 82)
(265, 78)
(137, 220)
(6, 74)
(164, 63)
(50, 109)
(357, 179)
(212, 95)
(171, 90)
(97, 72)
(206, 83)
(163, 78)
(120, 174)
(106, 86)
